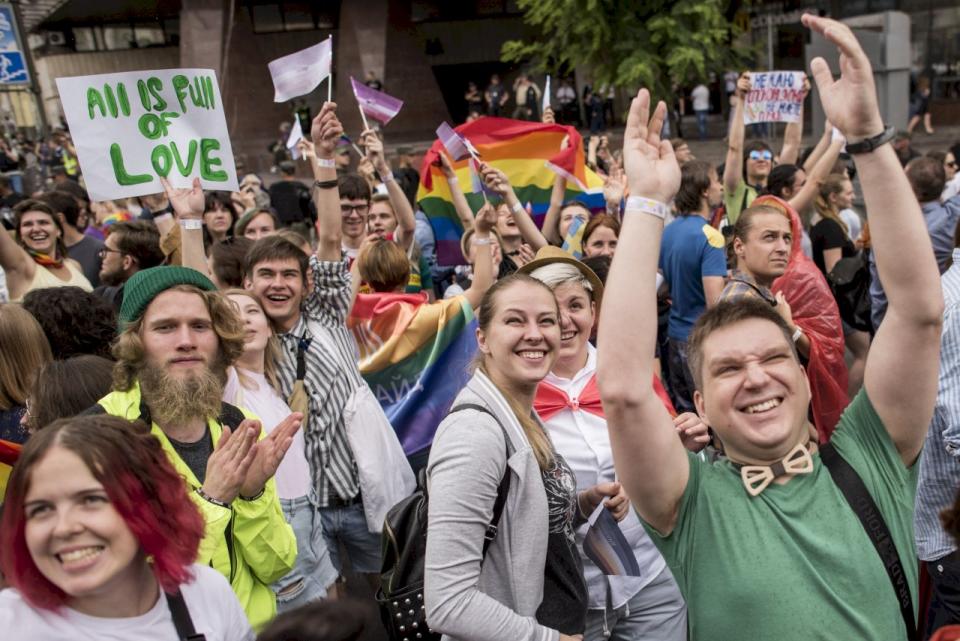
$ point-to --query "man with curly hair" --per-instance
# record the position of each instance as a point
(75, 322)
(178, 335)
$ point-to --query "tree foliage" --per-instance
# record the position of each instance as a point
(630, 43)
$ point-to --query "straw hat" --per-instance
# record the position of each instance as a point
(549, 254)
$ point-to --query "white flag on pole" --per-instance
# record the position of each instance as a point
(546, 96)
(300, 73)
(296, 135)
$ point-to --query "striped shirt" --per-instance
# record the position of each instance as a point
(940, 463)
(331, 378)
(742, 285)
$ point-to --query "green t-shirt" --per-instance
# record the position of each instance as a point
(794, 563)
(738, 200)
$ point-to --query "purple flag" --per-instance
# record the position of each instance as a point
(375, 104)
(476, 182)
(452, 142)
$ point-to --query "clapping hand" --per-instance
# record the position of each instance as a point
(649, 163)
(268, 453)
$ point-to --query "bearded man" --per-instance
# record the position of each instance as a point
(178, 335)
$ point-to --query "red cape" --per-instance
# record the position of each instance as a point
(815, 312)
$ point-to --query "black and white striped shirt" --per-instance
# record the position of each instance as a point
(332, 375)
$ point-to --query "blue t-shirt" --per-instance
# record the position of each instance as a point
(690, 250)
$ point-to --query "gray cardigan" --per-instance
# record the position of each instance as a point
(498, 601)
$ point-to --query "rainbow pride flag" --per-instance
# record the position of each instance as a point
(9, 452)
(415, 356)
(528, 152)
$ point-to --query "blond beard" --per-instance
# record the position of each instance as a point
(177, 401)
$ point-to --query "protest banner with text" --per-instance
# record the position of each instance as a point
(132, 128)
(775, 96)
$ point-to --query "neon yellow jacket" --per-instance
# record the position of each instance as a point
(251, 544)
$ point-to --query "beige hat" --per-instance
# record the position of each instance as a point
(549, 254)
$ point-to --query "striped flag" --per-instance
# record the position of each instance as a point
(606, 545)
(300, 73)
(455, 145)
(375, 104)
(573, 241)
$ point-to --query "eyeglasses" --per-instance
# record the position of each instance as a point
(346, 210)
(761, 155)
(102, 253)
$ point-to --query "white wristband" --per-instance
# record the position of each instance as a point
(452, 180)
(387, 177)
(517, 208)
(648, 206)
(797, 334)
(327, 163)
(190, 223)
(162, 218)
(481, 241)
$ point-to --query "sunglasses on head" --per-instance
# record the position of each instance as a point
(761, 155)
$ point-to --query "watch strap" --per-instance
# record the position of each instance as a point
(867, 145)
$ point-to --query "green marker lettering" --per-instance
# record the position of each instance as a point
(122, 97)
(155, 85)
(161, 160)
(94, 99)
(196, 93)
(185, 169)
(209, 84)
(179, 83)
(111, 100)
(120, 172)
(208, 145)
(144, 98)
(150, 126)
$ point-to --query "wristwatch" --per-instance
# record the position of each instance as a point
(867, 145)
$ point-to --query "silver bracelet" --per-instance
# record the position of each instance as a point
(649, 206)
(190, 223)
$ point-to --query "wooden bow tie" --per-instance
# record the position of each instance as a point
(756, 478)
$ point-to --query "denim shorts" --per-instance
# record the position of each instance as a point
(348, 525)
(313, 571)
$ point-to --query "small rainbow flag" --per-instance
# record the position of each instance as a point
(9, 452)
(415, 356)
(528, 152)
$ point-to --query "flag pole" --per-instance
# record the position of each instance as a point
(330, 75)
(364, 116)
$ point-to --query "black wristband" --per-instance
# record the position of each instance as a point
(326, 184)
(867, 145)
(209, 499)
(255, 496)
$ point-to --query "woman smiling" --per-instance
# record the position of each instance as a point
(38, 257)
(86, 542)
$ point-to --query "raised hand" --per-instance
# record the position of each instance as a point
(267, 454)
(231, 459)
(495, 180)
(325, 131)
(693, 432)
(486, 219)
(374, 148)
(187, 203)
(548, 117)
(525, 254)
(743, 85)
(851, 101)
(649, 163)
(446, 165)
(305, 147)
(613, 186)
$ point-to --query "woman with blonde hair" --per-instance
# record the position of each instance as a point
(24, 350)
(527, 583)
(252, 384)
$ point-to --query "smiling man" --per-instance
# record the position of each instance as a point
(766, 544)
(178, 337)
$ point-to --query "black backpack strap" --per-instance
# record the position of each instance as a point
(863, 505)
(230, 415)
(504, 488)
(181, 618)
(93, 410)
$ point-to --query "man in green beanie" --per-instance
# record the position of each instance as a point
(178, 335)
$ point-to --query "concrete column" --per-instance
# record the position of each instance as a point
(203, 26)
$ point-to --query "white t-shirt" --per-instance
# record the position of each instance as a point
(213, 607)
(852, 219)
(293, 475)
(701, 98)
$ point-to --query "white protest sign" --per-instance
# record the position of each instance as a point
(131, 128)
(775, 96)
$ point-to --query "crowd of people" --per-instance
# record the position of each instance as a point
(733, 367)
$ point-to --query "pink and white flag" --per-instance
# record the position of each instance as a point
(375, 104)
(456, 145)
(300, 73)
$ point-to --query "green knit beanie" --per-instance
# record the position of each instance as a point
(140, 290)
